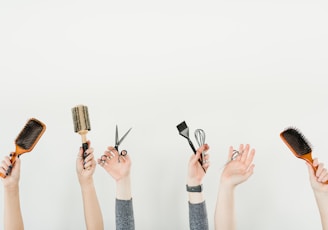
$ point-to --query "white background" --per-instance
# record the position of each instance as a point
(241, 70)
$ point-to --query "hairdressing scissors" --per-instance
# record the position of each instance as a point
(119, 141)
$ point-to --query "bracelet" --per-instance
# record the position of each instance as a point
(198, 188)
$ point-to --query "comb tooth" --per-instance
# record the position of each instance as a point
(29, 135)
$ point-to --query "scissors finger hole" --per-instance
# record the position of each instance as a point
(124, 153)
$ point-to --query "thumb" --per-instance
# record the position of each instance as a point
(311, 171)
(17, 164)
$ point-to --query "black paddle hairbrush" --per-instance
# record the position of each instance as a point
(27, 139)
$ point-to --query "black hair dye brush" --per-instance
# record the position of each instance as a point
(81, 124)
(298, 145)
(184, 131)
(26, 140)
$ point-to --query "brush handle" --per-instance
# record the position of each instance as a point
(194, 149)
(192, 146)
(84, 147)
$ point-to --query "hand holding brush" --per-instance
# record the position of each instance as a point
(82, 125)
(319, 186)
(26, 140)
(298, 145)
(184, 131)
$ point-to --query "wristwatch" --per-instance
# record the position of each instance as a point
(197, 188)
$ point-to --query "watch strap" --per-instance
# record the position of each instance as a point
(198, 188)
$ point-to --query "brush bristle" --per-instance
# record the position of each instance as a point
(296, 140)
(182, 126)
(183, 129)
(30, 134)
(81, 118)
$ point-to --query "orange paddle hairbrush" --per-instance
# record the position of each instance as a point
(299, 145)
(27, 139)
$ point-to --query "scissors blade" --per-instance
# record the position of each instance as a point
(120, 141)
(116, 137)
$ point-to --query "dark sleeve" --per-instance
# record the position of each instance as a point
(198, 216)
(124, 215)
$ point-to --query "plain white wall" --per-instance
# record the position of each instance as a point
(241, 70)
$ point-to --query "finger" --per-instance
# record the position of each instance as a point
(102, 162)
(196, 157)
(244, 153)
(203, 148)
(7, 161)
(122, 158)
(322, 174)
(241, 148)
(206, 166)
(319, 170)
(324, 178)
(250, 157)
(250, 171)
(89, 150)
(88, 164)
(315, 162)
(80, 153)
(230, 153)
(2, 170)
(110, 154)
(103, 159)
(111, 148)
(311, 171)
(4, 165)
(207, 157)
(89, 158)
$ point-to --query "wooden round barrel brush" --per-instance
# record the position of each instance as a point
(82, 125)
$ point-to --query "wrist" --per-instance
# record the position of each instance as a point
(86, 183)
(227, 187)
(193, 182)
(11, 188)
(123, 188)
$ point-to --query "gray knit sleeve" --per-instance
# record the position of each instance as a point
(124, 214)
(198, 216)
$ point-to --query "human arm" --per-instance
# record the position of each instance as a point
(197, 207)
(85, 170)
(318, 181)
(235, 172)
(13, 219)
(119, 168)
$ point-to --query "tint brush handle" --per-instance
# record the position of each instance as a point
(194, 149)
